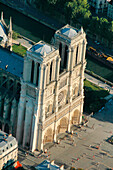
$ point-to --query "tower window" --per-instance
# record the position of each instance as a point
(60, 49)
(32, 72)
(51, 71)
(38, 65)
(76, 56)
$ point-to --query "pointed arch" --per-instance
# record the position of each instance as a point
(75, 117)
(48, 137)
(63, 125)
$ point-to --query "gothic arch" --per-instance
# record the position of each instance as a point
(75, 91)
(62, 128)
(75, 117)
(48, 137)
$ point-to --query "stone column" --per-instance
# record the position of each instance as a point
(56, 99)
(45, 77)
(57, 68)
(13, 116)
(84, 50)
(27, 124)
(20, 121)
(35, 73)
(71, 62)
(80, 53)
(53, 70)
(6, 108)
(48, 75)
(74, 55)
(69, 59)
(33, 142)
(27, 70)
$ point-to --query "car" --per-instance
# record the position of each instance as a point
(97, 42)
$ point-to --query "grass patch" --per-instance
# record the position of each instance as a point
(93, 97)
(19, 49)
(15, 35)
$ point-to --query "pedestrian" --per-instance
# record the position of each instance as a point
(93, 126)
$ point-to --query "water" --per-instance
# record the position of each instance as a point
(27, 26)
(99, 68)
(37, 31)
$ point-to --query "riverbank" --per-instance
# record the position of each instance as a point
(33, 13)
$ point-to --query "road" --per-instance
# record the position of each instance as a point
(99, 83)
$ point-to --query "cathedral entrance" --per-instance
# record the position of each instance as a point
(75, 117)
(48, 137)
(63, 125)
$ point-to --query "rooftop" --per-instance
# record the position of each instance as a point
(6, 142)
(42, 48)
(68, 31)
(47, 165)
(11, 62)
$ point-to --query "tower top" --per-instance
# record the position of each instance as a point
(68, 32)
(41, 50)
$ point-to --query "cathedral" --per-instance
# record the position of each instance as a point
(42, 95)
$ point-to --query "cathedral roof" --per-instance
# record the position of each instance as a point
(3, 34)
(69, 32)
(41, 48)
(11, 62)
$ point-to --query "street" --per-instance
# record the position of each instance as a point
(99, 83)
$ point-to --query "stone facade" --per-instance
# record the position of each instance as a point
(52, 96)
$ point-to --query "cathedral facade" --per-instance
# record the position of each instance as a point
(52, 96)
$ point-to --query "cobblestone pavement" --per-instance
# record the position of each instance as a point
(87, 148)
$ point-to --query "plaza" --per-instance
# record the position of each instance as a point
(87, 148)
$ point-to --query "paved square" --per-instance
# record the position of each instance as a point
(87, 148)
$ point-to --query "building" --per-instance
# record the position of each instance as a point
(99, 6)
(110, 9)
(52, 96)
(8, 150)
(5, 33)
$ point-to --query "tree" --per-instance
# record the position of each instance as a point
(77, 9)
(52, 2)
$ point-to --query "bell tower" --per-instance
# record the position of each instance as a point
(40, 71)
(71, 43)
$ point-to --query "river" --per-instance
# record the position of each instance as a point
(37, 31)
(27, 26)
